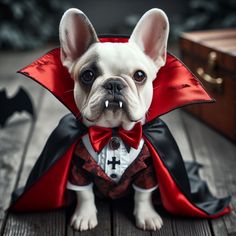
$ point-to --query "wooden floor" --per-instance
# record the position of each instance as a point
(22, 140)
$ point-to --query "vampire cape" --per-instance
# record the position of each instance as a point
(182, 191)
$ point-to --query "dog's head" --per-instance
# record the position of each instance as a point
(113, 81)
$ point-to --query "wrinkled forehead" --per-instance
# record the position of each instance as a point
(117, 57)
(121, 56)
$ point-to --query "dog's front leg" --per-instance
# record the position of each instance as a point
(85, 215)
(145, 215)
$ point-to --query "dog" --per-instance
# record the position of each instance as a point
(113, 88)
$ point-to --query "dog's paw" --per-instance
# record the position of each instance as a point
(147, 219)
(81, 223)
(84, 218)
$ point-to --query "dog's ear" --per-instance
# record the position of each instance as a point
(151, 35)
(76, 35)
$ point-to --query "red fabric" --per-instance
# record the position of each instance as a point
(113, 40)
(100, 136)
(51, 74)
(49, 191)
(133, 136)
(174, 86)
(172, 198)
(85, 169)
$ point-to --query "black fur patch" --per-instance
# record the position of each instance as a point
(93, 66)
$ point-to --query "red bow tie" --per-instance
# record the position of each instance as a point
(100, 136)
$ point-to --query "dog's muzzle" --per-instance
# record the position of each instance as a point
(114, 86)
(114, 98)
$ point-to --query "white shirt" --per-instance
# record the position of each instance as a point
(104, 160)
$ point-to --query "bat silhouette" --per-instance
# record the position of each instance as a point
(19, 103)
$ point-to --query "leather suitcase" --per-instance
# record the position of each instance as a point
(211, 55)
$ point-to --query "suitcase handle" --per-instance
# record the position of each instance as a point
(211, 64)
(208, 78)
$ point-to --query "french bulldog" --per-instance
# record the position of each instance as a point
(113, 88)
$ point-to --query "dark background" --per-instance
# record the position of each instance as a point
(27, 24)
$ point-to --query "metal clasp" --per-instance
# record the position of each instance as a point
(216, 82)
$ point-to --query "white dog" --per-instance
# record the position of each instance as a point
(113, 88)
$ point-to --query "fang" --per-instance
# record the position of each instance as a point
(106, 103)
(120, 104)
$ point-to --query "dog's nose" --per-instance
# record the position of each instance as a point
(113, 86)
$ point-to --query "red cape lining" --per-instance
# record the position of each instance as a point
(175, 86)
(49, 191)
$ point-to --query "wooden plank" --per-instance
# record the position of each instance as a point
(12, 149)
(52, 223)
(51, 112)
(35, 224)
(123, 219)
(177, 129)
(104, 221)
(218, 157)
(167, 228)
(15, 136)
(219, 227)
(187, 227)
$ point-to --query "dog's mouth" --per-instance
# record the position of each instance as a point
(115, 104)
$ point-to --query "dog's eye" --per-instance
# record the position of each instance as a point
(87, 76)
(139, 76)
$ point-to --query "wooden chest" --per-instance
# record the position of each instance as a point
(211, 55)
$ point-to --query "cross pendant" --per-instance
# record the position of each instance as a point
(113, 163)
